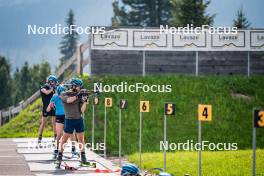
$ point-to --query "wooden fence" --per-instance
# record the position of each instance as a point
(8, 113)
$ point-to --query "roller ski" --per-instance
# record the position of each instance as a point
(85, 163)
(58, 161)
(71, 168)
(88, 164)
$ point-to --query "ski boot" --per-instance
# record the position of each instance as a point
(85, 163)
(75, 153)
(55, 153)
(58, 161)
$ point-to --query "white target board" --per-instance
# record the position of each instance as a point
(154, 39)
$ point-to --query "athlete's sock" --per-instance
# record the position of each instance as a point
(39, 138)
(60, 156)
(83, 157)
(56, 151)
(73, 148)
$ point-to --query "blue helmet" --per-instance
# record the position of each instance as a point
(77, 82)
(60, 89)
(129, 169)
(52, 78)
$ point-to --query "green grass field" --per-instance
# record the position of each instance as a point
(232, 98)
(228, 163)
(26, 123)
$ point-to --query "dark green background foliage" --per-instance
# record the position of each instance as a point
(22, 83)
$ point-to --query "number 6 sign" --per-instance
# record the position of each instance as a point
(204, 112)
(144, 106)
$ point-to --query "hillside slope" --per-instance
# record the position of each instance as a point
(26, 123)
(232, 98)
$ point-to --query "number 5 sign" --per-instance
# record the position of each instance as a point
(169, 109)
(144, 106)
(259, 118)
(204, 112)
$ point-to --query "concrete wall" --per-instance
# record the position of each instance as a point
(159, 62)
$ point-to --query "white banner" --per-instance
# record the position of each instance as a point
(152, 39)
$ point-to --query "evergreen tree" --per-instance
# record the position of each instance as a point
(5, 80)
(28, 80)
(191, 12)
(16, 96)
(151, 13)
(25, 81)
(241, 21)
(69, 41)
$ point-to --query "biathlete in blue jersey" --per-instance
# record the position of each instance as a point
(56, 103)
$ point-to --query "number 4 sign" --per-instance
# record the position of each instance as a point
(204, 112)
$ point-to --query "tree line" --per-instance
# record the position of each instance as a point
(177, 13)
(145, 13)
(22, 83)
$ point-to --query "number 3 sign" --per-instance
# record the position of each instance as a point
(259, 118)
(204, 112)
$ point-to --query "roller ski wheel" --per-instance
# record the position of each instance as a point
(88, 164)
(70, 168)
(58, 164)
(38, 145)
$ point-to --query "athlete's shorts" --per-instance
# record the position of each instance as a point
(74, 124)
(47, 114)
(60, 119)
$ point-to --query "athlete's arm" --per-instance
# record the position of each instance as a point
(68, 97)
(83, 107)
(45, 91)
(71, 99)
(51, 105)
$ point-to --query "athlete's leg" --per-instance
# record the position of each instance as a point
(54, 127)
(41, 128)
(59, 132)
(64, 139)
(68, 130)
(79, 129)
(73, 141)
(80, 137)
